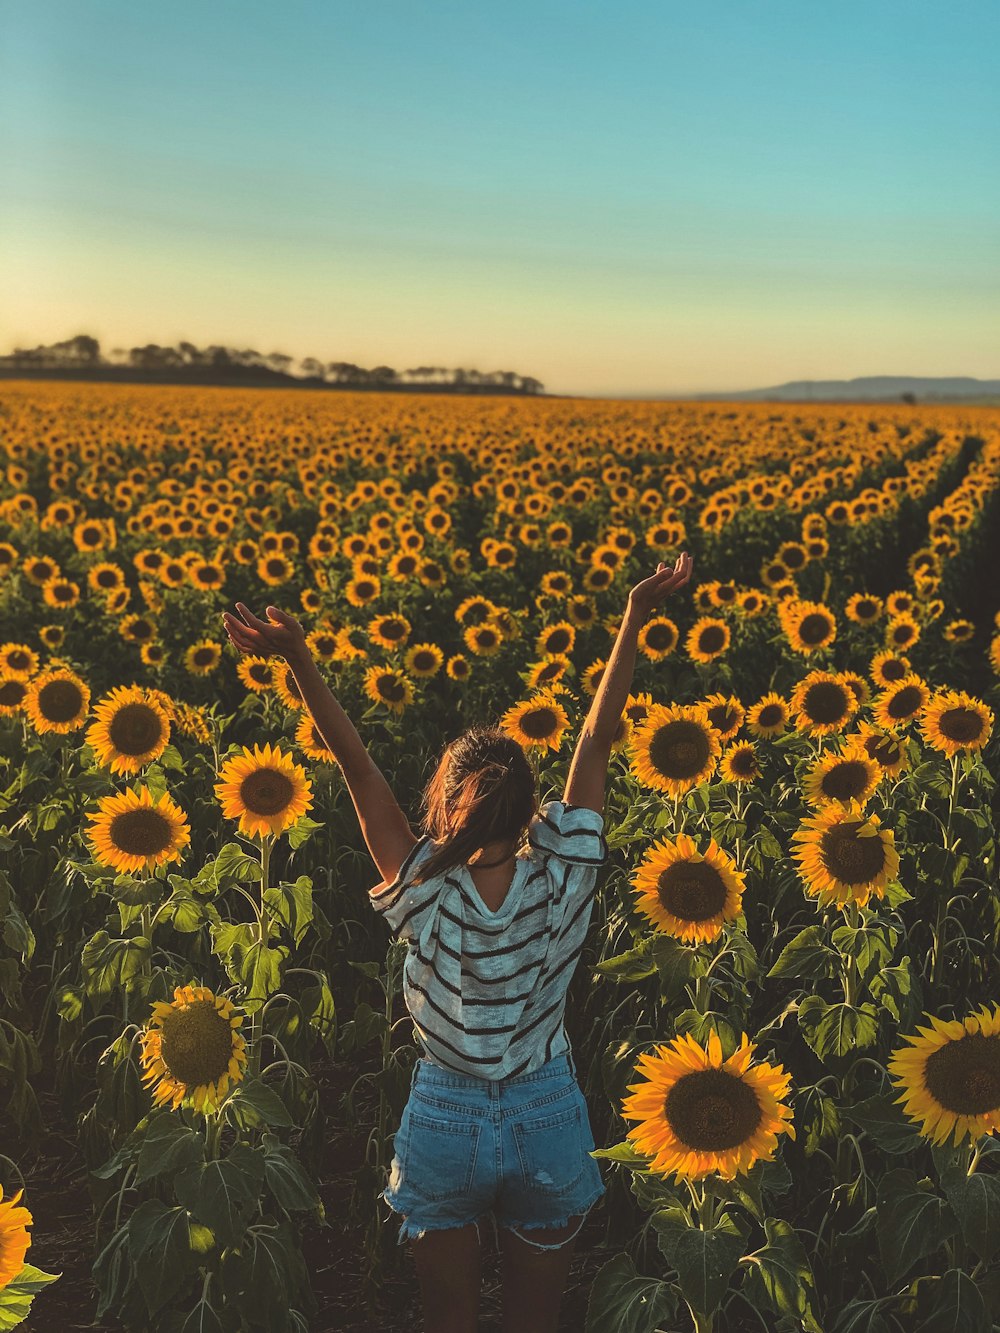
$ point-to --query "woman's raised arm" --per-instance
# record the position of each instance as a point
(386, 829)
(589, 768)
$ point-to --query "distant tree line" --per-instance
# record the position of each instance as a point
(82, 355)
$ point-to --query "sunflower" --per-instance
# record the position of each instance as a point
(740, 763)
(726, 714)
(390, 688)
(902, 702)
(863, 608)
(60, 593)
(132, 729)
(845, 856)
(658, 637)
(52, 635)
(286, 687)
(851, 775)
(823, 703)
(275, 569)
(474, 610)
(953, 721)
(700, 1115)
(423, 660)
(132, 831)
(637, 707)
(557, 639)
(888, 668)
(203, 657)
(769, 716)
(861, 688)
(686, 894)
(14, 1239)
(484, 640)
(264, 789)
(548, 670)
(13, 691)
(457, 667)
(707, 639)
(590, 677)
(322, 643)
(959, 631)
(309, 740)
(674, 748)
(17, 659)
(361, 591)
(57, 700)
(192, 1052)
(256, 673)
(950, 1076)
(884, 747)
(808, 626)
(538, 723)
(902, 632)
(389, 631)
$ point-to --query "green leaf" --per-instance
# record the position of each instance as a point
(252, 963)
(781, 1271)
(884, 1123)
(912, 1222)
(623, 1300)
(158, 1246)
(285, 1177)
(623, 1152)
(836, 1029)
(202, 1319)
(674, 963)
(975, 1201)
(301, 831)
(20, 1291)
(705, 1262)
(321, 1013)
(223, 1194)
(807, 956)
(958, 1306)
(187, 913)
(633, 965)
(861, 1317)
(254, 1103)
(167, 1147)
(234, 865)
(292, 906)
(112, 964)
(870, 945)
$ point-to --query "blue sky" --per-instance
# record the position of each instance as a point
(616, 198)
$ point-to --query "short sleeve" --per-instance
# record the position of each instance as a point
(403, 903)
(571, 833)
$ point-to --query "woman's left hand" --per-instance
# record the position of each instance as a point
(649, 594)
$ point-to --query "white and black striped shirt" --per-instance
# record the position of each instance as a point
(487, 990)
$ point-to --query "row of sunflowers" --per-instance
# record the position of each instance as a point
(787, 1011)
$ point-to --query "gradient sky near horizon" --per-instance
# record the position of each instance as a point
(622, 198)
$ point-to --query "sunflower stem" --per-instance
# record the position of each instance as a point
(943, 899)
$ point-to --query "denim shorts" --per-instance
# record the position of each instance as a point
(517, 1148)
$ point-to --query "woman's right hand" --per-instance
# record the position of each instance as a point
(281, 634)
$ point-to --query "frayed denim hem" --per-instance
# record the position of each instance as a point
(410, 1231)
(519, 1227)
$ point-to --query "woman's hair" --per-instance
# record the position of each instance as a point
(483, 790)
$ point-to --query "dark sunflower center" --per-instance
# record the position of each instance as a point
(866, 610)
(815, 628)
(107, 579)
(883, 749)
(964, 1075)
(905, 702)
(423, 661)
(266, 791)
(551, 671)
(391, 689)
(660, 637)
(723, 717)
(278, 567)
(902, 633)
(692, 890)
(487, 638)
(826, 702)
(557, 641)
(539, 723)
(712, 639)
(18, 660)
(203, 656)
(393, 629)
(64, 593)
(12, 692)
(850, 858)
(142, 629)
(142, 832)
(59, 701)
(261, 673)
(770, 715)
(893, 669)
(744, 763)
(845, 781)
(712, 1111)
(291, 685)
(794, 557)
(135, 729)
(197, 1044)
(961, 724)
(680, 749)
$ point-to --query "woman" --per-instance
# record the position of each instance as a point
(496, 1122)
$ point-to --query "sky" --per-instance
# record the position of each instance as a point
(633, 197)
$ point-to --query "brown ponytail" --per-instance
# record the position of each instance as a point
(482, 791)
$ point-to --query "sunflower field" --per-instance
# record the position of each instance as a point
(787, 1015)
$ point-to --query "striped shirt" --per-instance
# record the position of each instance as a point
(487, 990)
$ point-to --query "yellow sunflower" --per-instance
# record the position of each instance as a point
(675, 748)
(286, 687)
(57, 700)
(851, 775)
(132, 729)
(539, 722)
(203, 657)
(547, 671)
(17, 659)
(700, 1115)
(390, 631)
(950, 1076)
(192, 1051)
(726, 714)
(484, 640)
(769, 716)
(658, 638)
(556, 639)
(14, 1239)
(707, 639)
(264, 789)
(134, 831)
(902, 632)
(901, 703)
(309, 740)
(884, 747)
(390, 688)
(823, 703)
(808, 626)
(953, 722)
(457, 667)
(256, 673)
(423, 660)
(845, 856)
(863, 608)
(13, 691)
(688, 894)
(888, 668)
(740, 764)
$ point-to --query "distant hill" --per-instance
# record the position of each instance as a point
(870, 388)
